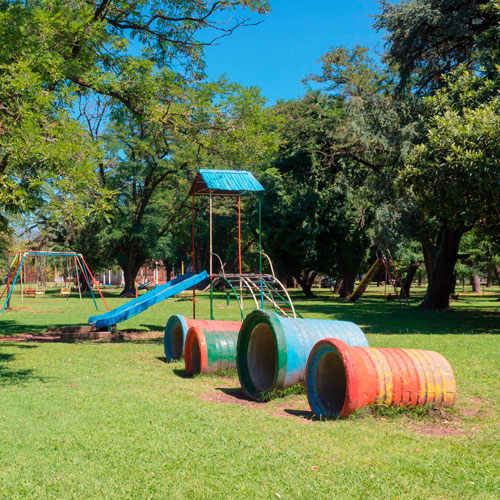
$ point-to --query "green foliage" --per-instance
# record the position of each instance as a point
(6, 238)
(52, 53)
(341, 147)
(454, 173)
(313, 206)
(426, 39)
(151, 162)
(45, 155)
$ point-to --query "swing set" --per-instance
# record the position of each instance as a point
(31, 268)
(386, 263)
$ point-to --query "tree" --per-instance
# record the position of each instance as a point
(44, 153)
(51, 53)
(454, 172)
(312, 202)
(377, 130)
(149, 166)
(427, 39)
(435, 46)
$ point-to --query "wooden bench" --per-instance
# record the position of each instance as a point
(30, 291)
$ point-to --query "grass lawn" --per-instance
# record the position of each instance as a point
(91, 420)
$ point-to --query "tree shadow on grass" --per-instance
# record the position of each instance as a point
(157, 340)
(373, 316)
(155, 328)
(11, 328)
(11, 376)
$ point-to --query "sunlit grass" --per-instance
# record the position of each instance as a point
(114, 421)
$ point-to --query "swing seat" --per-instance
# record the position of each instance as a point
(64, 292)
(40, 291)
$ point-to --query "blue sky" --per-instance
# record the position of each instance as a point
(278, 53)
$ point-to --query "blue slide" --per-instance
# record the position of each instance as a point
(139, 304)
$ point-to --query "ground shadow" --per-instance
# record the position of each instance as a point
(12, 376)
(11, 328)
(305, 414)
(155, 328)
(156, 340)
(236, 393)
(18, 345)
(163, 359)
(182, 373)
(375, 316)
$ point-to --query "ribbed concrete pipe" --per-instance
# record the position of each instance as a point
(272, 351)
(341, 379)
(177, 327)
(208, 352)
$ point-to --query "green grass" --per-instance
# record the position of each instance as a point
(114, 421)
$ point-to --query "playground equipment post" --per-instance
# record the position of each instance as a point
(9, 270)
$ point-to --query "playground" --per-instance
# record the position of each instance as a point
(153, 386)
(249, 250)
(114, 420)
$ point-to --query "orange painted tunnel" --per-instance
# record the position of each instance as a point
(341, 379)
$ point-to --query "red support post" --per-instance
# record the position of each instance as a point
(95, 283)
(11, 276)
(194, 266)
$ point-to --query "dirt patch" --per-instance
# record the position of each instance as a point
(137, 335)
(443, 424)
(297, 407)
(439, 422)
(440, 430)
(232, 397)
(31, 337)
(475, 409)
(68, 336)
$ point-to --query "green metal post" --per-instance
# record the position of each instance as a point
(260, 256)
(260, 237)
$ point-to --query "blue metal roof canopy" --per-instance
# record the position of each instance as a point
(224, 182)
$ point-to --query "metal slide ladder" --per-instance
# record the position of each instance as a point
(262, 290)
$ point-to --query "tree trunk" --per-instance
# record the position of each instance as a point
(489, 282)
(441, 281)
(84, 287)
(476, 283)
(305, 282)
(338, 285)
(129, 274)
(429, 250)
(129, 278)
(410, 275)
(497, 273)
(453, 285)
(168, 269)
(348, 280)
